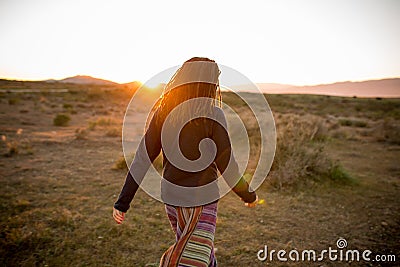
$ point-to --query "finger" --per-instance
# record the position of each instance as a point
(117, 220)
(118, 213)
(118, 217)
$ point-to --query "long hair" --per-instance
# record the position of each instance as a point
(175, 96)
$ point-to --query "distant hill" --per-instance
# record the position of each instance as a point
(132, 85)
(83, 79)
(371, 88)
(386, 88)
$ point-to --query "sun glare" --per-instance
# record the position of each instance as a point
(151, 84)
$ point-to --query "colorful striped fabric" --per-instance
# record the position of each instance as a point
(194, 229)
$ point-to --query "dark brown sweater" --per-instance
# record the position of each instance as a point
(190, 136)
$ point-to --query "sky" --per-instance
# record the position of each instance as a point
(300, 42)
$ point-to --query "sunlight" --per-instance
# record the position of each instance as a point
(152, 84)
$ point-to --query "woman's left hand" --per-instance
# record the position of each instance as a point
(252, 204)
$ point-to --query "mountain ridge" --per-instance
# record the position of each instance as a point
(85, 79)
(387, 87)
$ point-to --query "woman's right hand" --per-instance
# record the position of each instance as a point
(118, 216)
(252, 204)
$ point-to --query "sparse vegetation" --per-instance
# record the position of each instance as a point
(338, 174)
(113, 132)
(56, 204)
(353, 123)
(120, 164)
(12, 148)
(92, 125)
(13, 101)
(68, 106)
(388, 131)
(81, 134)
(16, 145)
(103, 121)
(61, 120)
(300, 157)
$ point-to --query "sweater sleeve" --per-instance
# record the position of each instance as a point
(226, 162)
(148, 150)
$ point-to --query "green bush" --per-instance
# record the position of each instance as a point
(61, 120)
(338, 174)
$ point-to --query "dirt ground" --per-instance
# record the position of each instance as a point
(58, 185)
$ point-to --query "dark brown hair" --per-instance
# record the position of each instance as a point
(182, 93)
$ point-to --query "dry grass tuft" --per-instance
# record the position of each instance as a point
(300, 156)
(81, 134)
(113, 132)
(388, 131)
(120, 164)
(61, 120)
(16, 144)
(102, 122)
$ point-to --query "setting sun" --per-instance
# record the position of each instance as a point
(289, 42)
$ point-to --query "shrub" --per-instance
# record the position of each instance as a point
(61, 120)
(120, 164)
(105, 121)
(338, 174)
(113, 132)
(352, 123)
(13, 101)
(12, 148)
(92, 125)
(81, 134)
(67, 106)
(388, 131)
(17, 145)
(300, 157)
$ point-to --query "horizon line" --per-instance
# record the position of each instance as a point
(278, 83)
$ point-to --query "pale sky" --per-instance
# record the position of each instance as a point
(294, 42)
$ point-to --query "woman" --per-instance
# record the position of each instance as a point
(194, 225)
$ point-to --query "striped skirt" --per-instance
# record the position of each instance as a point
(194, 229)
